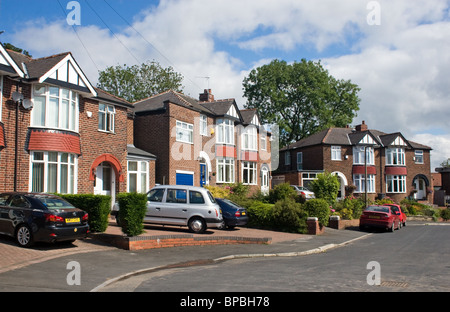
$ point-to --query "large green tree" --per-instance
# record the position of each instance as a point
(134, 83)
(302, 98)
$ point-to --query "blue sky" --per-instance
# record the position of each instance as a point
(402, 63)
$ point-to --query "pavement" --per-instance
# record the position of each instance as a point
(49, 267)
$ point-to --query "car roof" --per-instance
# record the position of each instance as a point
(184, 187)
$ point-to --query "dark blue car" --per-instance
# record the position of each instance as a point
(233, 214)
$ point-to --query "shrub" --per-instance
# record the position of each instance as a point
(445, 214)
(260, 214)
(97, 206)
(326, 187)
(318, 208)
(288, 216)
(217, 191)
(132, 212)
(280, 192)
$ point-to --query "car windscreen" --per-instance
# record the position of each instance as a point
(231, 204)
(378, 209)
(54, 202)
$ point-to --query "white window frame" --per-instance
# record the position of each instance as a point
(107, 115)
(142, 176)
(396, 184)
(395, 156)
(299, 161)
(359, 181)
(336, 153)
(73, 107)
(358, 155)
(250, 168)
(225, 164)
(203, 125)
(418, 157)
(225, 131)
(263, 139)
(72, 172)
(249, 138)
(1, 96)
(186, 130)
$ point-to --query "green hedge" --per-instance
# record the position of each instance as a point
(319, 208)
(132, 212)
(97, 206)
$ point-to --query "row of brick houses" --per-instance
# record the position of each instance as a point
(59, 133)
(394, 166)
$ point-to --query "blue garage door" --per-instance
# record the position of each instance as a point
(185, 179)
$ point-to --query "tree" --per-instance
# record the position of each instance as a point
(137, 82)
(12, 47)
(446, 163)
(326, 187)
(302, 98)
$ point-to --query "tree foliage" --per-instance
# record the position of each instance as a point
(302, 98)
(137, 82)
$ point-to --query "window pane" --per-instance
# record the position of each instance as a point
(132, 166)
(65, 110)
(143, 183)
(39, 111)
(37, 177)
(52, 178)
(132, 183)
(101, 121)
(53, 156)
(54, 91)
(64, 179)
(53, 112)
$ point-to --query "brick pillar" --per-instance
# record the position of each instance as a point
(313, 226)
(334, 222)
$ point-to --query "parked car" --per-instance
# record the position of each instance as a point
(303, 191)
(233, 214)
(402, 213)
(32, 217)
(380, 216)
(181, 205)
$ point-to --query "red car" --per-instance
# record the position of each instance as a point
(380, 216)
(402, 213)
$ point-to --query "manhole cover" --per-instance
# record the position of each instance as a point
(394, 284)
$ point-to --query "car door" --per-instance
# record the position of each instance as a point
(19, 210)
(155, 203)
(4, 214)
(175, 209)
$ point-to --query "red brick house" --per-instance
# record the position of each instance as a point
(58, 133)
(203, 142)
(396, 167)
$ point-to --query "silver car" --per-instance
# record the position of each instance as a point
(182, 205)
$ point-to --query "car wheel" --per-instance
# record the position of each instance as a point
(392, 229)
(197, 225)
(24, 236)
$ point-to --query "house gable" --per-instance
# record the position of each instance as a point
(7, 64)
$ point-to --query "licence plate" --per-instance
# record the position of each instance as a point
(243, 213)
(374, 217)
(72, 220)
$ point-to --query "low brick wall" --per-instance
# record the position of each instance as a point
(164, 241)
(314, 228)
(338, 224)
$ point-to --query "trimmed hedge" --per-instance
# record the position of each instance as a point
(318, 208)
(97, 206)
(132, 212)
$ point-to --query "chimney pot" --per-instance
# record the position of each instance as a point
(206, 96)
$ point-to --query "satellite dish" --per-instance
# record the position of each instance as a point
(27, 104)
(17, 96)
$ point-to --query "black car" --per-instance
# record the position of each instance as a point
(31, 217)
(233, 214)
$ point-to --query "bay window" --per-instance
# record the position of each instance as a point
(225, 170)
(395, 157)
(53, 172)
(250, 138)
(360, 183)
(225, 131)
(359, 157)
(249, 172)
(54, 107)
(396, 184)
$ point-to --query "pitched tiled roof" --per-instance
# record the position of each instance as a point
(348, 136)
(39, 67)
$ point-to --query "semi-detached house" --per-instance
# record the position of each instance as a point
(58, 133)
(394, 166)
(203, 142)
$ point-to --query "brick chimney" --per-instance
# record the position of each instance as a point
(206, 96)
(362, 127)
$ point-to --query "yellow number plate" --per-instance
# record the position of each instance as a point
(72, 220)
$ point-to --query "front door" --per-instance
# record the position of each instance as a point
(202, 174)
(105, 181)
(264, 180)
(421, 189)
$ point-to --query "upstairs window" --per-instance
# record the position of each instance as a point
(358, 155)
(185, 132)
(225, 131)
(336, 153)
(106, 117)
(203, 125)
(418, 157)
(395, 157)
(250, 138)
(54, 107)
